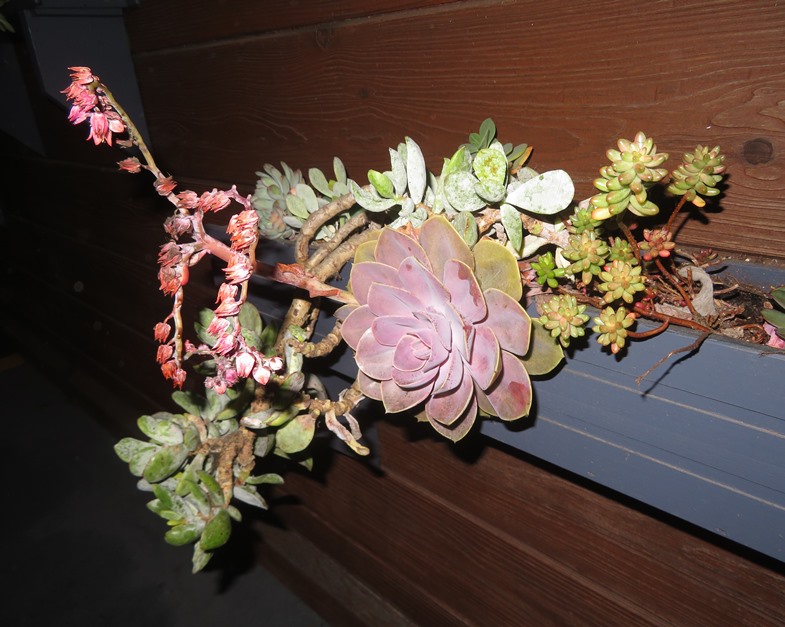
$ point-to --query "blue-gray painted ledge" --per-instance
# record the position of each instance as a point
(701, 438)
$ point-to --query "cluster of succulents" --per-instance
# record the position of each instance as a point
(634, 168)
(698, 175)
(284, 201)
(433, 312)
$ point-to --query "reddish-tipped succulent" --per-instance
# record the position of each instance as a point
(438, 324)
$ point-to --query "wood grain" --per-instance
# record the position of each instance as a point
(567, 80)
(501, 541)
(166, 24)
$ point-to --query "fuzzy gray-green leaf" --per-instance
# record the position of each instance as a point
(161, 429)
(370, 201)
(511, 220)
(164, 463)
(183, 534)
(217, 531)
(459, 190)
(546, 194)
(416, 173)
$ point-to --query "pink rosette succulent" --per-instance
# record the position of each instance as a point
(439, 324)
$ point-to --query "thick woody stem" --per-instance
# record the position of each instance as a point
(351, 397)
(354, 223)
(321, 348)
(315, 221)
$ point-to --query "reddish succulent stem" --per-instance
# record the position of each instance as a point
(682, 202)
(647, 311)
(675, 282)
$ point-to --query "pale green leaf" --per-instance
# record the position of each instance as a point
(217, 531)
(495, 266)
(545, 194)
(460, 193)
(511, 220)
(544, 353)
(416, 173)
(370, 201)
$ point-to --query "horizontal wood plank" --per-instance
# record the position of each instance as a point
(201, 21)
(440, 564)
(566, 80)
(597, 537)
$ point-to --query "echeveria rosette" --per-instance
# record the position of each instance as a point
(436, 327)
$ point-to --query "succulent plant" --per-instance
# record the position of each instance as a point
(621, 280)
(634, 167)
(547, 272)
(564, 318)
(269, 200)
(656, 243)
(698, 175)
(582, 220)
(612, 325)
(776, 317)
(588, 254)
(439, 323)
(621, 250)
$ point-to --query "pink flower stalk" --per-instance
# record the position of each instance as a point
(213, 201)
(164, 185)
(131, 165)
(243, 229)
(239, 269)
(161, 331)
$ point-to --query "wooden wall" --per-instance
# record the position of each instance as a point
(444, 535)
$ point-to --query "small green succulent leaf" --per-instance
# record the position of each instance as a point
(459, 188)
(308, 196)
(189, 401)
(779, 296)
(163, 495)
(212, 486)
(544, 354)
(381, 183)
(250, 319)
(200, 559)
(319, 182)
(247, 494)
(495, 266)
(267, 478)
(416, 173)
(141, 459)
(296, 435)
(296, 206)
(204, 318)
(160, 429)
(461, 161)
(490, 166)
(466, 226)
(511, 220)
(340, 170)
(183, 534)
(370, 201)
(775, 317)
(127, 448)
(398, 174)
(545, 194)
(164, 463)
(217, 531)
